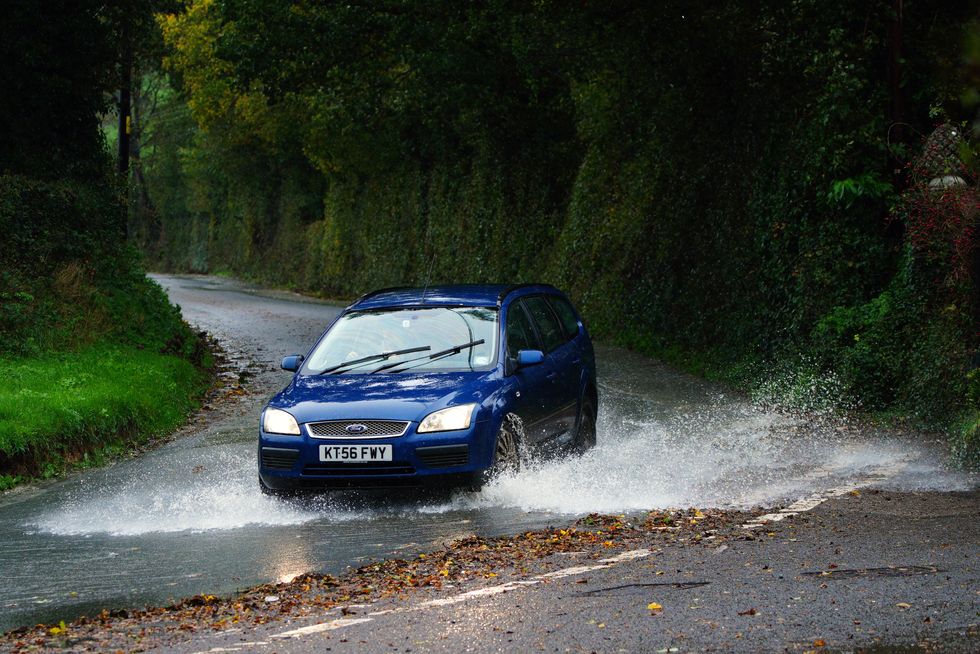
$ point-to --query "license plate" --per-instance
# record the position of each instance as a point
(354, 453)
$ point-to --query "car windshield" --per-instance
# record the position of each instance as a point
(368, 340)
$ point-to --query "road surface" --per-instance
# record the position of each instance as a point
(187, 518)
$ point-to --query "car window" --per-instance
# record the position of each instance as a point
(548, 325)
(520, 333)
(361, 334)
(566, 314)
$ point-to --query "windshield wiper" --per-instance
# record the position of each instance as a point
(374, 357)
(432, 357)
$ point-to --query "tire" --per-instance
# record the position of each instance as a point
(272, 492)
(585, 433)
(506, 451)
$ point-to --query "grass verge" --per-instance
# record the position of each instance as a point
(69, 409)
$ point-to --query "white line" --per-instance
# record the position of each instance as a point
(480, 592)
(237, 648)
(557, 574)
(813, 501)
(571, 572)
(323, 626)
(628, 555)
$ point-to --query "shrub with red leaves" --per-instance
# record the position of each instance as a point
(941, 206)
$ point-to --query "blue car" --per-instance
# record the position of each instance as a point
(444, 385)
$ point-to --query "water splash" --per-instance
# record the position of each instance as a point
(665, 440)
(223, 494)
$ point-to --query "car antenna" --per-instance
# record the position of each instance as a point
(428, 276)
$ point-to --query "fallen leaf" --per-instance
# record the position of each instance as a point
(904, 605)
(653, 607)
(820, 642)
(749, 612)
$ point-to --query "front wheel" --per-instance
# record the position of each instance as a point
(274, 492)
(506, 455)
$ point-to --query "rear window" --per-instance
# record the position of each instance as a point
(544, 318)
(566, 314)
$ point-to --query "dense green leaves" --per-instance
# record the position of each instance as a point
(709, 177)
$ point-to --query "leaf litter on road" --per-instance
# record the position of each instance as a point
(470, 560)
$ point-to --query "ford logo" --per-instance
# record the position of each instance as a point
(356, 428)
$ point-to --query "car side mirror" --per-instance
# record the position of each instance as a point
(529, 358)
(292, 362)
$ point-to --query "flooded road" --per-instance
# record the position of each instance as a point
(188, 517)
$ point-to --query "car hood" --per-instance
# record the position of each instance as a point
(397, 396)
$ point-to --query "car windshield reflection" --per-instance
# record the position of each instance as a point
(393, 335)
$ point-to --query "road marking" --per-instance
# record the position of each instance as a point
(602, 564)
(571, 572)
(480, 592)
(237, 648)
(319, 628)
(816, 499)
(628, 555)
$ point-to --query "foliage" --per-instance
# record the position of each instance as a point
(91, 351)
(58, 67)
(702, 182)
(60, 407)
(68, 278)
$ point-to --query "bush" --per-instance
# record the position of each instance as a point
(68, 276)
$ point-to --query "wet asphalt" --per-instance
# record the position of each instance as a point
(877, 571)
(187, 517)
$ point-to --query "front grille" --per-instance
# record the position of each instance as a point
(444, 456)
(372, 428)
(277, 458)
(357, 470)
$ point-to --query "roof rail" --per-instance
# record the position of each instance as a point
(510, 289)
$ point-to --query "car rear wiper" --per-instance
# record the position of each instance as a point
(432, 357)
(374, 357)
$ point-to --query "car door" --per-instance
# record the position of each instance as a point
(531, 402)
(572, 357)
(561, 362)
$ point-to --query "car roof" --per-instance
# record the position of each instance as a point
(470, 295)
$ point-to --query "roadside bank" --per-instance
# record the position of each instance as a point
(60, 411)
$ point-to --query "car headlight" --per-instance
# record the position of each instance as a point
(455, 417)
(277, 421)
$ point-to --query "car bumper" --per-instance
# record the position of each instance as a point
(440, 459)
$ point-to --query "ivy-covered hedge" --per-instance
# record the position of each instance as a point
(715, 186)
(68, 277)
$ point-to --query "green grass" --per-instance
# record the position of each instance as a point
(82, 408)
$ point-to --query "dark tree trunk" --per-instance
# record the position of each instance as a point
(125, 125)
(896, 108)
